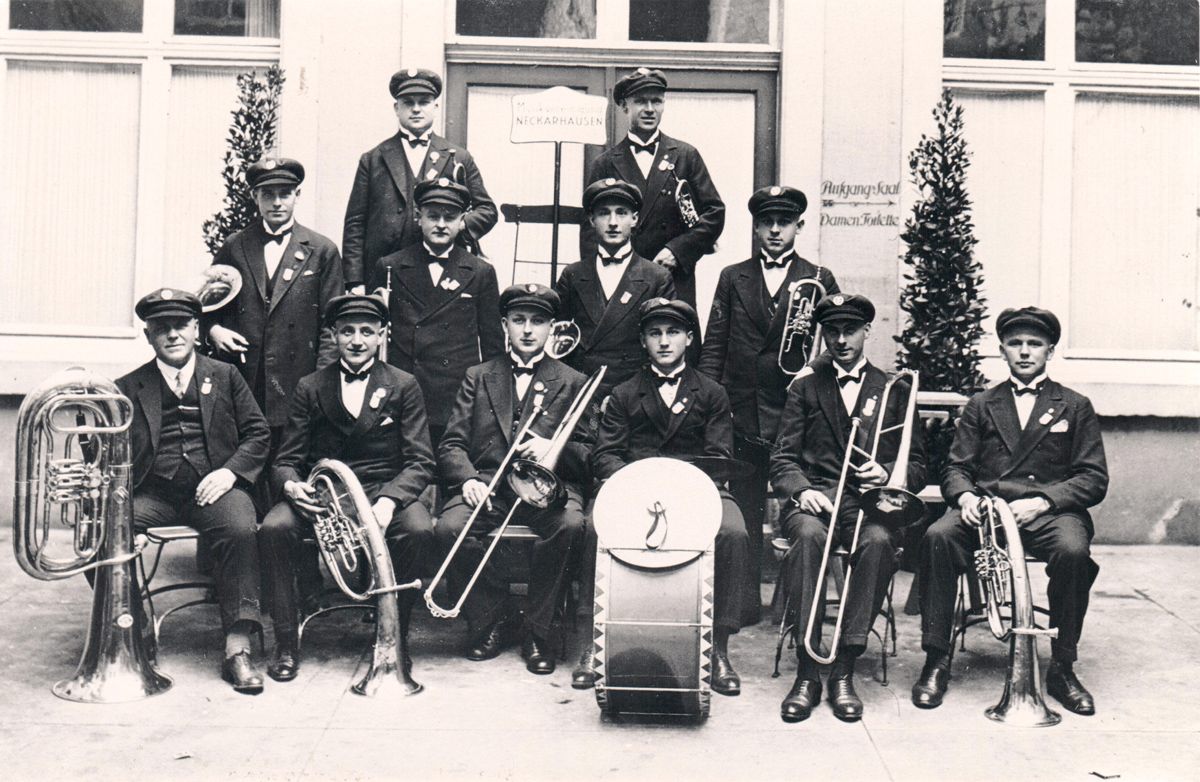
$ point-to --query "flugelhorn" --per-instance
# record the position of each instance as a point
(90, 489)
(532, 481)
(801, 339)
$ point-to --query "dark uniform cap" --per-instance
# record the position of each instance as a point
(529, 295)
(641, 79)
(415, 81)
(611, 188)
(676, 310)
(168, 303)
(844, 306)
(274, 171)
(442, 191)
(1030, 317)
(778, 198)
(355, 304)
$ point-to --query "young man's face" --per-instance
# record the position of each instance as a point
(440, 225)
(528, 328)
(613, 220)
(276, 203)
(358, 338)
(844, 339)
(776, 231)
(1026, 351)
(416, 112)
(173, 338)
(644, 109)
(665, 341)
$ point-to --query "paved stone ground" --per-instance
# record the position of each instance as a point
(493, 720)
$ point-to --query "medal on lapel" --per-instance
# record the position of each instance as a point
(434, 156)
(376, 398)
(869, 408)
(539, 393)
(288, 274)
(666, 165)
(206, 386)
(679, 406)
(298, 255)
(449, 284)
(1047, 417)
(625, 297)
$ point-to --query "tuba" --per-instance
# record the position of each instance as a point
(1000, 564)
(89, 487)
(347, 535)
(801, 339)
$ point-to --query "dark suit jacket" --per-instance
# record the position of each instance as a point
(380, 216)
(284, 330)
(1059, 455)
(815, 431)
(439, 333)
(659, 224)
(610, 334)
(236, 435)
(741, 345)
(637, 425)
(387, 446)
(480, 431)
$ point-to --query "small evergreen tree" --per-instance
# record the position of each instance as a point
(252, 135)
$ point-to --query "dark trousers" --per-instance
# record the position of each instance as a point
(1062, 541)
(410, 544)
(751, 495)
(560, 530)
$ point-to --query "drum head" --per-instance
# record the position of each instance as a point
(657, 513)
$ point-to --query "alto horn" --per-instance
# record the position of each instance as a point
(90, 489)
(801, 340)
(221, 285)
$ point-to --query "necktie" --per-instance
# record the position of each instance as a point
(666, 381)
(415, 142)
(178, 387)
(519, 370)
(351, 376)
(844, 379)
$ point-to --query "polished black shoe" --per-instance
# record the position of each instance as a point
(240, 672)
(584, 675)
(285, 665)
(1064, 686)
(537, 660)
(724, 679)
(847, 706)
(801, 699)
(928, 690)
(492, 640)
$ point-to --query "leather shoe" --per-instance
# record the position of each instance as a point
(928, 690)
(584, 675)
(490, 642)
(1064, 686)
(800, 700)
(724, 679)
(536, 659)
(239, 671)
(847, 706)
(285, 665)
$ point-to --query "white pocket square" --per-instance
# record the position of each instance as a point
(387, 420)
(467, 296)
(308, 273)
(1061, 426)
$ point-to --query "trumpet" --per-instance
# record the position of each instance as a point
(532, 481)
(565, 336)
(801, 340)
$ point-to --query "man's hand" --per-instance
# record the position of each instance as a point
(227, 340)
(383, 508)
(303, 496)
(870, 475)
(534, 448)
(666, 259)
(475, 491)
(814, 503)
(214, 485)
(1027, 509)
(968, 507)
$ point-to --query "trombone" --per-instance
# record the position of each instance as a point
(532, 481)
(801, 340)
(891, 505)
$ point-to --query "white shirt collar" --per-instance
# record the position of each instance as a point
(786, 257)
(364, 368)
(284, 229)
(634, 138)
(169, 372)
(678, 370)
(410, 136)
(857, 369)
(1036, 383)
(622, 254)
(533, 362)
(444, 254)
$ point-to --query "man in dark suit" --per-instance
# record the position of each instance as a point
(682, 215)
(371, 417)
(602, 293)
(741, 349)
(1035, 444)
(445, 316)
(670, 409)
(199, 442)
(496, 400)
(805, 468)
(381, 216)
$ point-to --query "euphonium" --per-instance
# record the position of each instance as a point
(90, 488)
(345, 531)
(801, 339)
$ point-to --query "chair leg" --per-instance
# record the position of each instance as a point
(785, 630)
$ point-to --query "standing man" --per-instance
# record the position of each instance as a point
(381, 217)
(1036, 445)
(682, 215)
(741, 350)
(806, 466)
(445, 316)
(371, 417)
(199, 442)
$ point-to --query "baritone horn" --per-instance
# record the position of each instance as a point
(532, 481)
(801, 340)
(73, 462)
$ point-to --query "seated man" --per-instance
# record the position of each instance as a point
(806, 466)
(670, 409)
(494, 403)
(199, 442)
(370, 416)
(1035, 444)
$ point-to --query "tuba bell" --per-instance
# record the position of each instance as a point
(565, 336)
(221, 285)
(89, 487)
(801, 340)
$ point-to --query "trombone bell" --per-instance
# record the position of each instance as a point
(893, 507)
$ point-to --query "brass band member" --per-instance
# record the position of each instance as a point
(370, 416)
(494, 402)
(806, 465)
(199, 442)
(1036, 444)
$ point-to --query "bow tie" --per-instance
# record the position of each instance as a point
(844, 379)
(666, 381)
(636, 146)
(278, 238)
(1031, 390)
(519, 370)
(609, 260)
(415, 141)
(438, 260)
(351, 376)
(776, 263)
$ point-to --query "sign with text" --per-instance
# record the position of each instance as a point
(559, 114)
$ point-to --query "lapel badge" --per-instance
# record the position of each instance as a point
(376, 398)
(625, 297)
(453, 284)
(869, 407)
(288, 274)
(539, 400)
(1046, 418)
(430, 174)
(679, 406)
(666, 165)
(434, 156)
(206, 386)
(539, 386)
(298, 255)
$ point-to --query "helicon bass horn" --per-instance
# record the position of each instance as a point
(73, 461)
(801, 340)
(347, 534)
(1000, 564)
